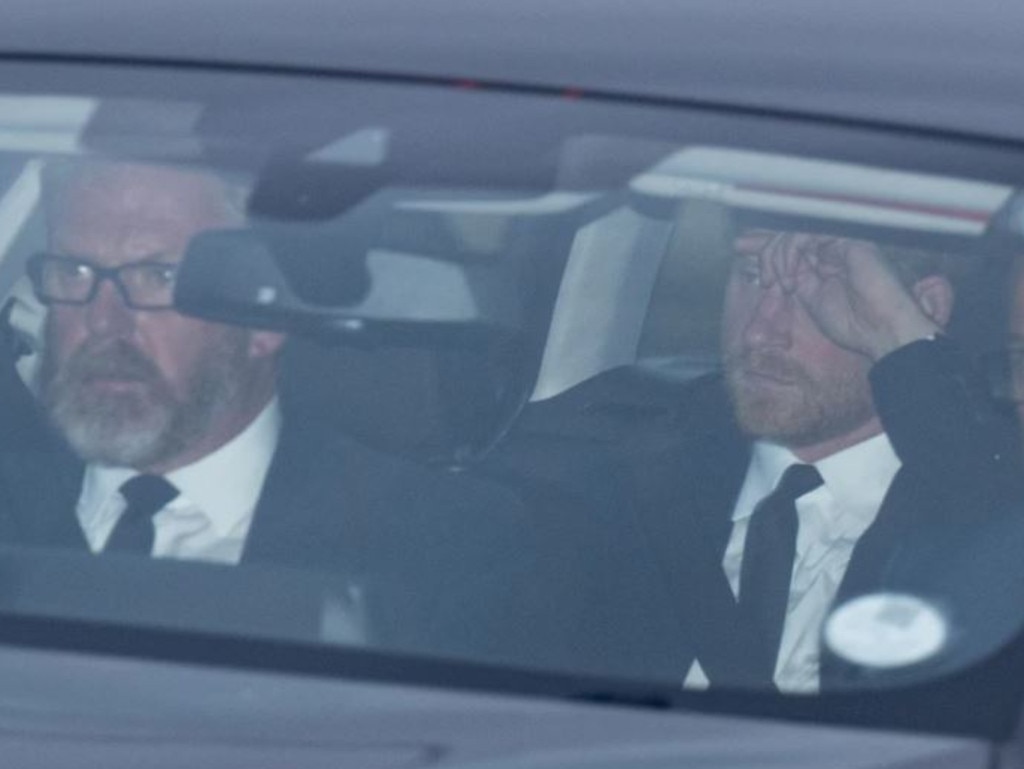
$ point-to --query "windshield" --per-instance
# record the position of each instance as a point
(551, 383)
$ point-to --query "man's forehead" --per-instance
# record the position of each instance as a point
(137, 190)
(134, 211)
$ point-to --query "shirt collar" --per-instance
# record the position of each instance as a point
(858, 476)
(225, 484)
(100, 484)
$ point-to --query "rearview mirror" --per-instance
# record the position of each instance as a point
(316, 282)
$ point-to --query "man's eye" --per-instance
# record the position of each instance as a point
(68, 273)
(748, 270)
(157, 274)
(71, 270)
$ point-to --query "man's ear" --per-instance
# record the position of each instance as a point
(934, 295)
(263, 344)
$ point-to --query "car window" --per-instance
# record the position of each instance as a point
(626, 390)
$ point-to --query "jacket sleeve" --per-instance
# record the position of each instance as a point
(958, 537)
(938, 413)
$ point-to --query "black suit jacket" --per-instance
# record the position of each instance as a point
(449, 564)
(958, 474)
(657, 466)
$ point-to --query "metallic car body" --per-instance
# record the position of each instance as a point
(930, 67)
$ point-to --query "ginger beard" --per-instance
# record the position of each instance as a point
(778, 399)
(789, 383)
(114, 407)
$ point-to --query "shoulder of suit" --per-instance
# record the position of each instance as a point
(384, 474)
(621, 403)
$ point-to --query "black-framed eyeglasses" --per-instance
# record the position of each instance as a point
(59, 279)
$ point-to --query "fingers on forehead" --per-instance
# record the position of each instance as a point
(782, 256)
(777, 243)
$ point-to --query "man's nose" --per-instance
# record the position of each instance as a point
(771, 322)
(107, 314)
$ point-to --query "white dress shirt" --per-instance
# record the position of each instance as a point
(831, 519)
(210, 518)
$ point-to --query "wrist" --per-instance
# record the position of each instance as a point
(902, 335)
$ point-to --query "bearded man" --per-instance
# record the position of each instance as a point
(171, 440)
(175, 418)
(843, 426)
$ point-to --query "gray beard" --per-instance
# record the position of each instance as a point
(144, 427)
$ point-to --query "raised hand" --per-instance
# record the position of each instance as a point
(844, 286)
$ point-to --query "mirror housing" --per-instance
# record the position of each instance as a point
(312, 282)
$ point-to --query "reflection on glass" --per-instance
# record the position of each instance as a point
(565, 395)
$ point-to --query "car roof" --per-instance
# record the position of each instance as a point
(950, 65)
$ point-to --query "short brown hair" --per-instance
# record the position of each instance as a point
(914, 264)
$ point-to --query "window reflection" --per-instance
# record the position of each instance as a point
(666, 425)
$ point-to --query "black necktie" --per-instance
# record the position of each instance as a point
(767, 569)
(145, 495)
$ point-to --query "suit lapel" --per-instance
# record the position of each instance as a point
(878, 548)
(688, 492)
(40, 477)
(291, 525)
(723, 648)
(42, 486)
(878, 554)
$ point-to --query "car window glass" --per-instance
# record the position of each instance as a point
(510, 377)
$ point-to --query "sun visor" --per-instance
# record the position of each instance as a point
(788, 192)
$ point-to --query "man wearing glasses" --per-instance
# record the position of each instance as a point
(181, 448)
(153, 401)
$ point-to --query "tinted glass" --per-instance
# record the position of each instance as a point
(511, 378)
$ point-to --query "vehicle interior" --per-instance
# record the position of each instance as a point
(521, 289)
